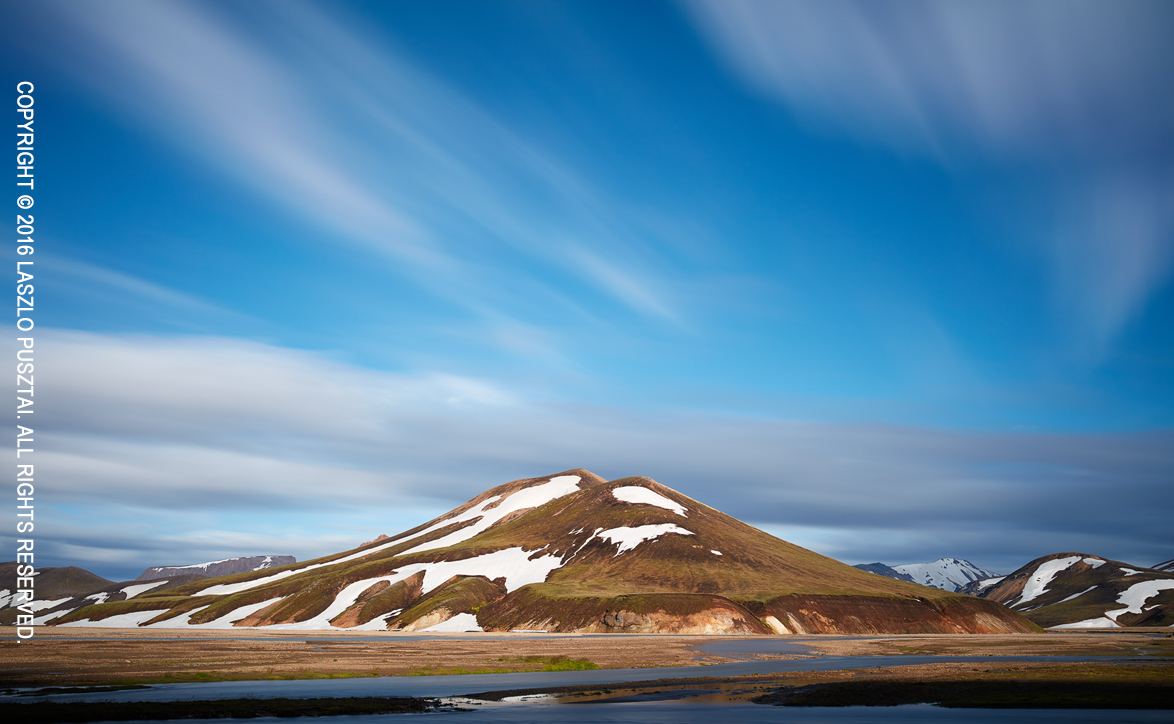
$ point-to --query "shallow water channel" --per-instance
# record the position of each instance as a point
(687, 705)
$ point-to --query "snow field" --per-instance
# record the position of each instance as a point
(1037, 585)
(513, 564)
(1136, 595)
(640, 495)
(122, 620)
(132, 591)
(1099, 622)
(629, 538)
(525, 498)
(457, 624)
(224, 622)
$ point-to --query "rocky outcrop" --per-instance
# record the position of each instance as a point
(807, 614)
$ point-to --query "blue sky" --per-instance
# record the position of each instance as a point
(890, 280)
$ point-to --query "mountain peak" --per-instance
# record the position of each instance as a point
(948, 574)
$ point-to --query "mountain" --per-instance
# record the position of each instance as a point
(225, 567)
(1076, 590)
(1165, 565)
(51, 582)
(882, 570)
(570, 553)
(53, 586)
(948, 574)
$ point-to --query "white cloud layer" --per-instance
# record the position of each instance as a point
(201, 448)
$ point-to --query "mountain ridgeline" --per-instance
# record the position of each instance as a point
(225, 567)
(567, 553)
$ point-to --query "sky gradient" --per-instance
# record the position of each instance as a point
(891, 281)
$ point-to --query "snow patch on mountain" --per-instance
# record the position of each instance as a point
(122, 620)
(525, 498)
(1099, 622)
(42, 605)
(1037, 585)
(1136, 595)
(637, 494)
(986, 583)
(1129, 571)
(226, 621)
(42, 620)
(132, 591)
(457, 624)
(515, 565)
(948, 574)
(1094, 562)
(629, 538)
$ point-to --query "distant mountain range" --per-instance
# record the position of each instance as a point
(225, 567)
(881, 569)
(1077, 590)
(948, 574)
(569, 552)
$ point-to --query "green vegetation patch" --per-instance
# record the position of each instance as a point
(528, 663)
(558, 663)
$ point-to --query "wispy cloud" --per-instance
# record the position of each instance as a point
(242, 438)
(374, 151)
(1072, 89)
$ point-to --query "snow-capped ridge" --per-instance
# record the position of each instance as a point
(948, 574)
